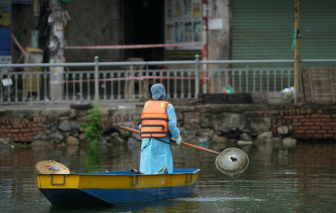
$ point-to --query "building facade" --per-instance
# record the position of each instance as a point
(237, 29)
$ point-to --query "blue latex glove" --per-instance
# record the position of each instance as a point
(178, 140)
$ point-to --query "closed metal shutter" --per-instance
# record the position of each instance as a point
(264, 30)
(318, 30)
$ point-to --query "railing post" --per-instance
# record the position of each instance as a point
(196, 75)
(96, 59)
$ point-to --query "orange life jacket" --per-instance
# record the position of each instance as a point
(154, 120)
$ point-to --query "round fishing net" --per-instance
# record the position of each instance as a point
(232, 161)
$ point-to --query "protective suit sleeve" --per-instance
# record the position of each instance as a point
(174, 131)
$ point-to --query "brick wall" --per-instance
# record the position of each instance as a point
(22, 129)
(306, 124)
(311, 124)
(44, 124)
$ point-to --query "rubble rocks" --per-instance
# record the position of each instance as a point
(72, 141)
(57, 136)
(259, 125)
(136, 136)
(132, 140)
(265, 137)
(64, 126)
(213, 122)
(82, 137)
(241, 142)
(189, 138)
(73, 114)
(226, 122)
(283, 130)
(203, 138)
(220, 139)
(39, 143)
(40, 137)
(289, 142)
(245, 137)
(102, 140)
(5, 141)
(117, 139)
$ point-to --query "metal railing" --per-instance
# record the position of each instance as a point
(134, 85)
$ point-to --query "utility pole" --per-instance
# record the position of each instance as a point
(205, 42)
(297, 52)
(56, 48)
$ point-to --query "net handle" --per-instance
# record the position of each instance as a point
(183, 143)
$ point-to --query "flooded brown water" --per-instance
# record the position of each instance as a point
(300, 178)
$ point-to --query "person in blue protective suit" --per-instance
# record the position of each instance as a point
(156, 156)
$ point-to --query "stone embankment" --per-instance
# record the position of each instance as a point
(244, 123)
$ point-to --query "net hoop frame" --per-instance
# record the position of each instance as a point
(233, 171)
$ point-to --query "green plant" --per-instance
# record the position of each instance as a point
(21, 117)
(91, 126)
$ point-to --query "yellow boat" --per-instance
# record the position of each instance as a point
(115, 188)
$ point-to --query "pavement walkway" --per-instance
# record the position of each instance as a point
(111, 105)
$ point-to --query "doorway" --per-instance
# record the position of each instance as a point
(144, 24)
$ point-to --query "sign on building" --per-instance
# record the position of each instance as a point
(5, 32)
(183, 24)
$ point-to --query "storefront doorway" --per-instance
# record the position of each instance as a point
(144, 24)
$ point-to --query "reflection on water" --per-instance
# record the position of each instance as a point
(91, 159)
(278, 179)
(166, 205)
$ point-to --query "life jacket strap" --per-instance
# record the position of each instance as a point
(156, 139)
(144, 133)
(162, 126)
(163, 119)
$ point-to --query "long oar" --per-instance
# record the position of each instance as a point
(183, 143)
(230, 161)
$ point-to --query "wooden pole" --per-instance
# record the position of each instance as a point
(300, 92)
(183, 143)
(297, 53)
